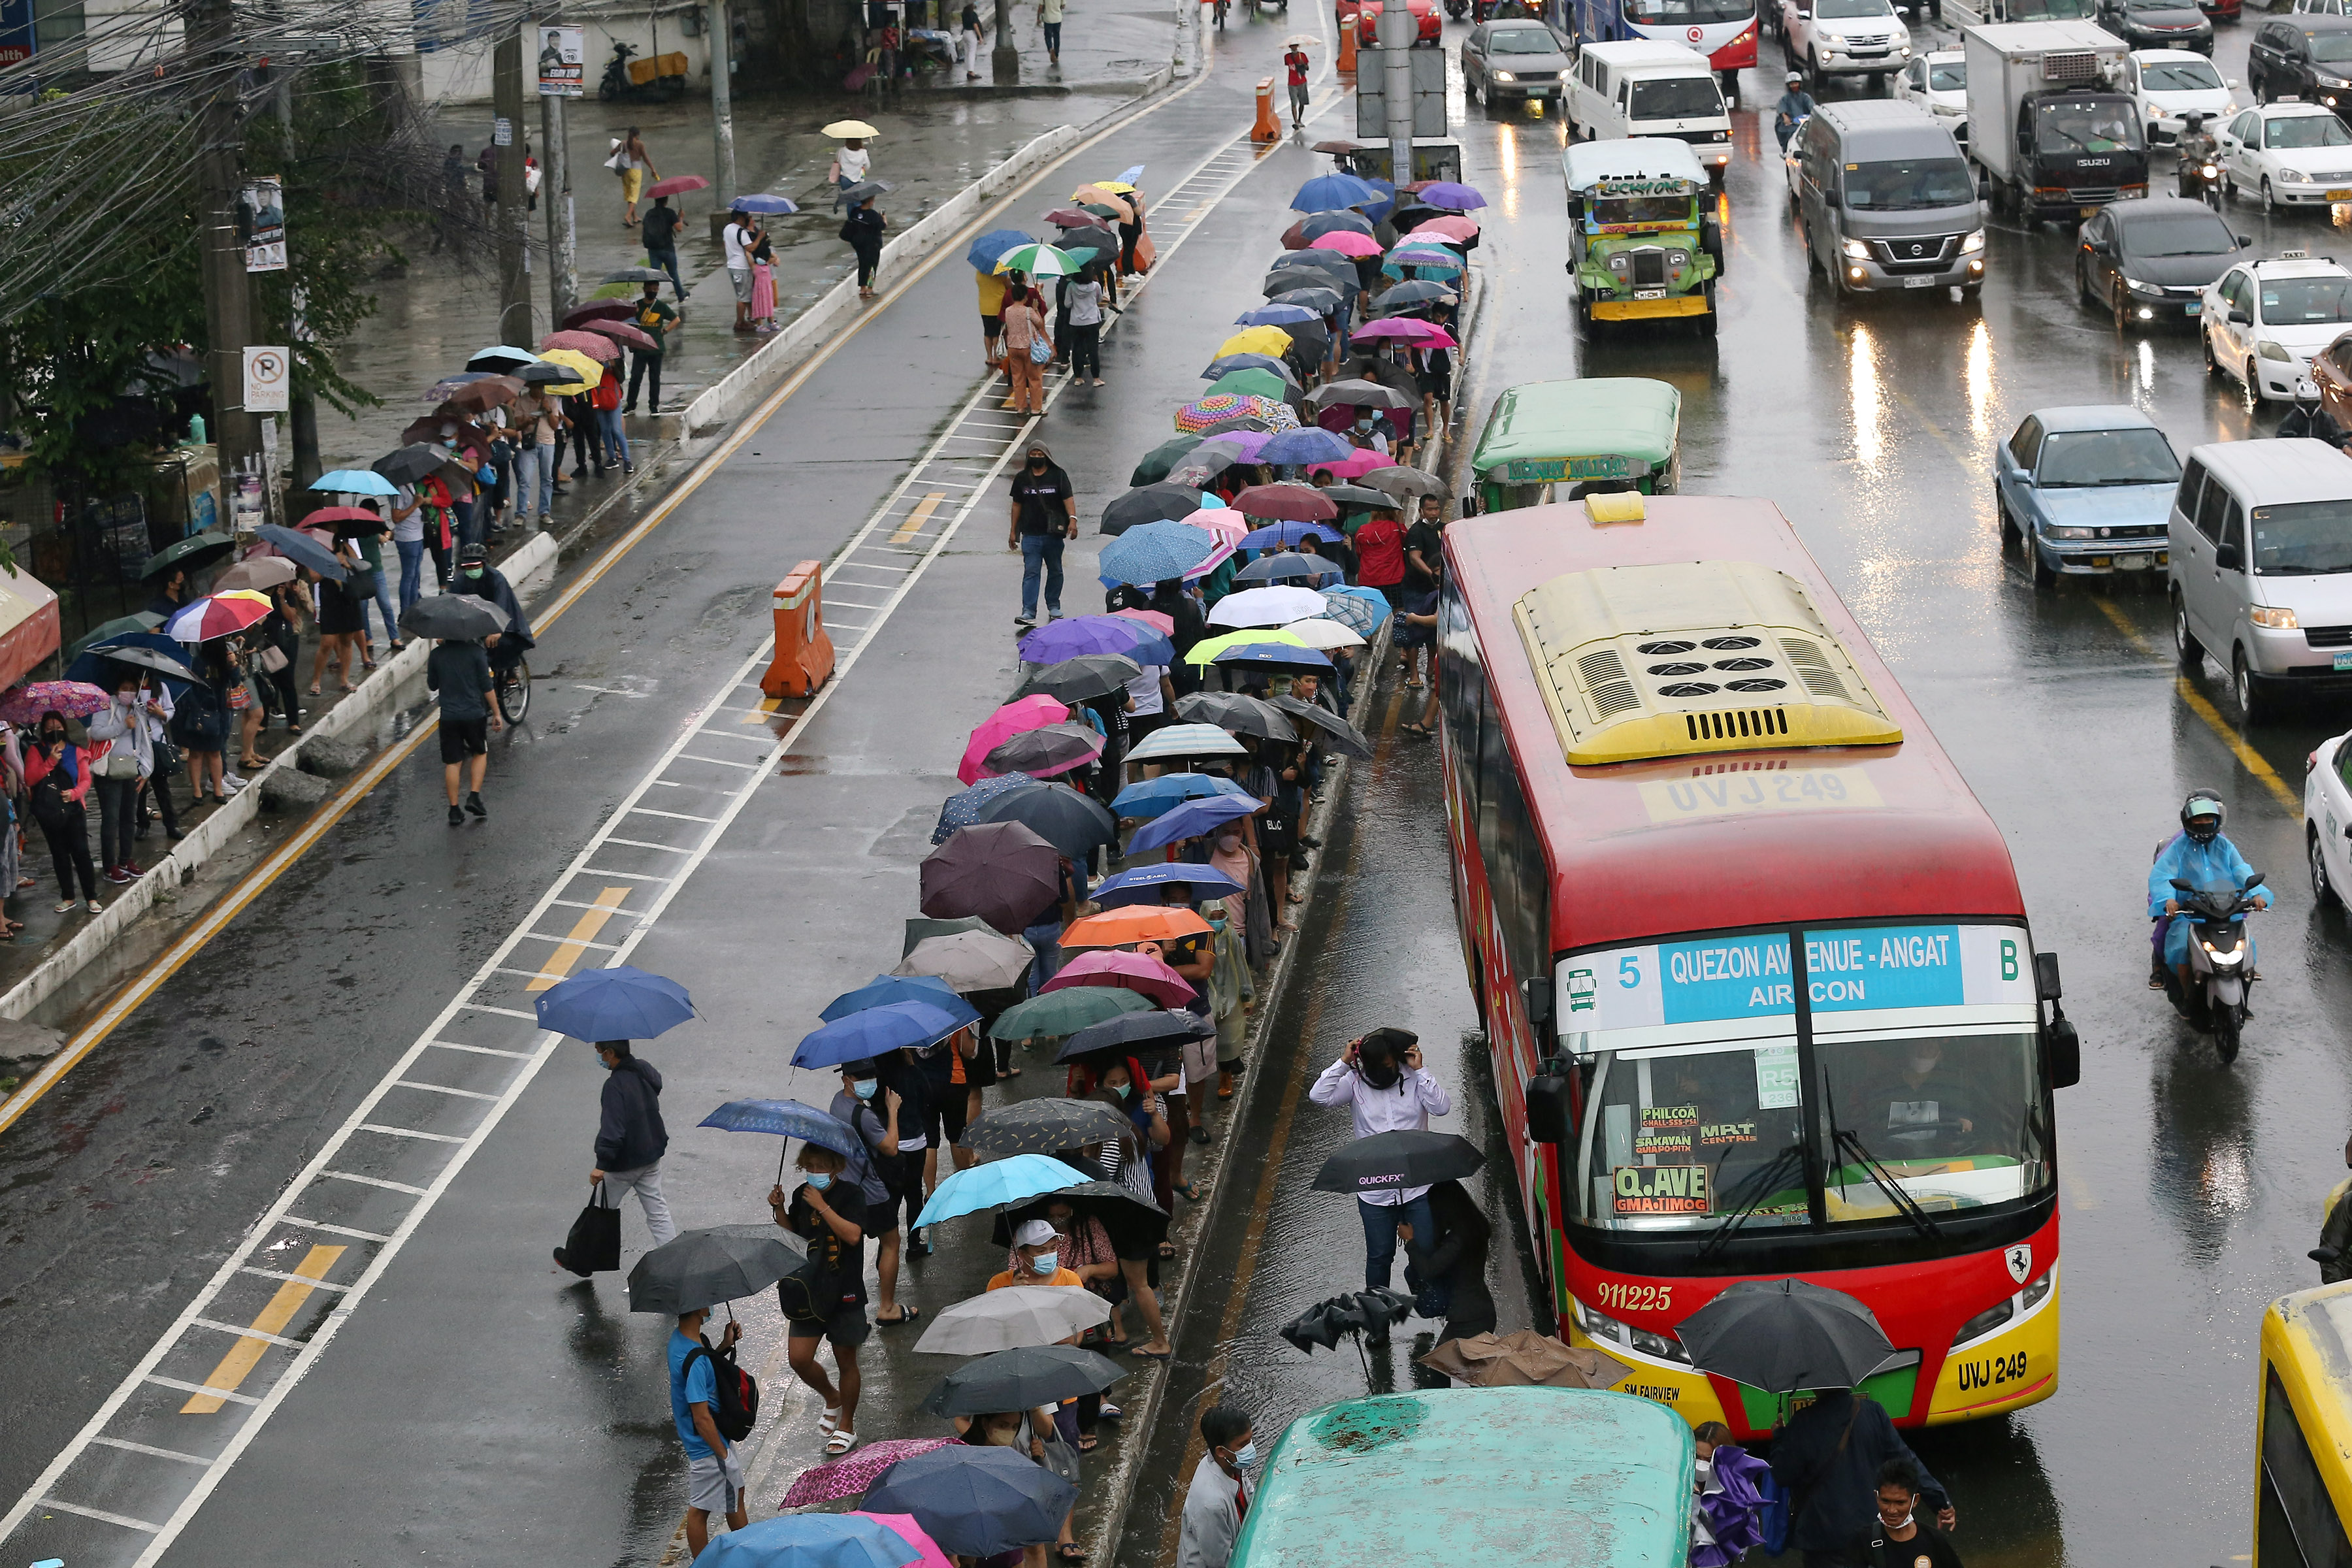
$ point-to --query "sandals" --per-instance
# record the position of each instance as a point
(1191, 1192)
(1069, 1550)
(1167, 1251)
(1424, 730)
(840, 1442)
(907, 1314)
(1137, 1350)
(252, 764)
(1089, 1442)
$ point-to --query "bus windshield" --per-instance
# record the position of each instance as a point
(1685, 13)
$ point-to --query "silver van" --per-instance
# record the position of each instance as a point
(2261, 573)
(1886, 201)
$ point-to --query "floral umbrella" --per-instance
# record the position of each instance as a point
(852, 1473)
(74, 698)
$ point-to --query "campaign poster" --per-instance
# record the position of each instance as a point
(563, 65)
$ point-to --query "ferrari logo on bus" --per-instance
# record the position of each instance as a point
(2021, 1261)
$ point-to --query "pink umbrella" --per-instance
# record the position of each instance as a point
(678, 184)
(1223, 522)
(1135, 972)
(1029, 713)
(634, 336)
(1165, 625)
(1410, 328)
(1453, 226)
(1347, 242)
(593, 344)
(903, 1525)
(1215, 558)
(852, 1474)
(1362, 462)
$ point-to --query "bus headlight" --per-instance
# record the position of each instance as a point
(1666, 1347)
(1986, 1321)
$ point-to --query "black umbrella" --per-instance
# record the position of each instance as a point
(1314, 261)
(1155, 464)
(197, 551)
(1390, 1162)
(999, 871)
(1023, 1379)
(1321, 224)
(1128, 1221)
(853, 195)
(975, 1501)
(1324, 1323)
(1359, 394)
(546, 374)
(1151, 503)
(1236, 713)
(637, 275)
(1414, 291)
(1784, 1335)
(1071, 822)
(1045, 750)
(409, 463)
(1338, 735)
(1162, 1026)
(304, 551)
(703, 1268)
(159, 654)
(459, 617)
(1352, 496)
(1041, 1127)
(1315, 297)
(1076, 679)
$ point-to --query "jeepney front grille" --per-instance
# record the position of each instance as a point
(1649, 267)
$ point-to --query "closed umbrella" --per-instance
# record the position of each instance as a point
(1060, 1012)
(701, 1268)
(1007, 1180)
(1088, 675)
(1785, 1336)
(1338, 735)
(877, 1031)
(1041, 1127)
(1030, 1377)
(1389, 1161)
(1142, 885)
(1048, 751)
(999, 871)
(970, 959)
(1236, 713)
(962, 808)
(1190, 820)
(1072, 822)
(1149, 504)
(1019, 1314)
(623, 1003)
(885, 989)
(1134, 971)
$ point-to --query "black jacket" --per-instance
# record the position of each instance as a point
(1456, 1258)
(631, 1134)
(1827, 1458)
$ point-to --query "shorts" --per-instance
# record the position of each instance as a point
(1140, 726)
(1201, 1059)
(991, 327)
(632, 182)
(714, 1485)
(847, 1328)
(902, 1178)
(740, 277)
(945, 1117)
(462, 738)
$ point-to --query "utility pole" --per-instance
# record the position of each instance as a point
(514, 196)
(1397, 26)
(302, 404)
(228, 302)
(562, 247)
(1004, 60)
(722, 106)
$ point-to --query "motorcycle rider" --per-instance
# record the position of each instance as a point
(2197, 149)
(1794, 105)
(2202, 856)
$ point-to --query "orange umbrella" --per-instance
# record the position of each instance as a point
(1134, 923)
(1095, 196)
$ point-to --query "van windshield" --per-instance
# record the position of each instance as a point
(1900, 185)
(2302, 539)
(1678, 98)
(2087, 125)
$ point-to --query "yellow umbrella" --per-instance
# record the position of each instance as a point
(845, 130)
(589, 372)
(1116, 187)
(1206, 650)
(1271, 341)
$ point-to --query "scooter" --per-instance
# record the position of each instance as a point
(2200, 180)
(2220, 968)
(616, 85)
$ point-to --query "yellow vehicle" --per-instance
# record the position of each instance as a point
(2303, 1490)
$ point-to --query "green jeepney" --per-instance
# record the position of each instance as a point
(1608, 433)
(1642, 230)
(1499, 1477)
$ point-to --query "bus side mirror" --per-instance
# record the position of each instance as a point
(2046, 985)
(2065, 1049)
(1537, 995)
(1547, 1109)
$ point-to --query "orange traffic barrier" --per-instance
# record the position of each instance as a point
(803, 653)
(1347, 61)
(1268, 127)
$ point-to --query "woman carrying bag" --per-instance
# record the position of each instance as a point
(60, 778)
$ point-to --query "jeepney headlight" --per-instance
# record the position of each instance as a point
(2276, 617)
(1973, 243)
(1857, 249)
(1618, 263)
(1678, 259)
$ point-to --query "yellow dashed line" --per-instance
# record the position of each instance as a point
(918, 516)
(2198, 704)
(246, 1354)
(764, 713)
(584, 931)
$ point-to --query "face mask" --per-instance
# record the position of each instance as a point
(1036, 463)
(1902, 1523)
(1923, 1063)
(819, 1180)
(1044, 1263)
(1120, 1089)
(1245, 1455)
(865, 1088)
(473, 571)
(1229, 843)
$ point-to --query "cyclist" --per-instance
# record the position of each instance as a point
(477, 576)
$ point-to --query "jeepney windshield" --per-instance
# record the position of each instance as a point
(1652, 212)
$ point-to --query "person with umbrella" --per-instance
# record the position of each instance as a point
(1446, 1264)
(654, 318)
(826, 1299)
(1039, 490)
(862, 228)
(714, 1478)
(1082, 296)
(1121, 1085)
(1828, 1457)
(59, 775)
(1219, 1494)
(478, 577)
(630, 1137)
(877, 1127)
(1381, 1082)
(1024, 331)
(458, 671)
(130, 726)
(200, 723)
(1293, 61)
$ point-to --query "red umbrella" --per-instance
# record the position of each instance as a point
(678, 184)
(1134, 971)
(598, 310)
(1286, 503)
(622, 332)
(595, 346)
(1071, 217)
(327, 516)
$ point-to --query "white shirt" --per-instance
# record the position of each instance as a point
(1405, 1105)
(1145, 689)
(1212, 1516)
(732, 236)
(853, 161)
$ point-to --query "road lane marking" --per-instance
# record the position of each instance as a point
(769, 705)
(125, 1520)
(183, 1384)
(335, 1229)
(444, 1088)
(248, 1331)
(365, 1182)
(246, 1353)
(478, 1050)
(2202, 706)
(409, 1132)
(151, 1448)
(921, 514)
(584, 934)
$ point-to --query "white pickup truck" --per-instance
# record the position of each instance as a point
(1825, 39)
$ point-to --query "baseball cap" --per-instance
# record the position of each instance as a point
(1035, 1233)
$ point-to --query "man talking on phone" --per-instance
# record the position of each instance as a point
(1379, 1077)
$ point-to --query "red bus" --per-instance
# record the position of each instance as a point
(1751, 959)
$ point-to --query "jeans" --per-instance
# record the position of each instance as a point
(384, 607)
(664, 258)
(412, 569)
(615, 439)
(1380, 1236)
(1041, 552)
(1052, 37)
(117, 816)
(645, 1182)
(471, 524)
(643, 366)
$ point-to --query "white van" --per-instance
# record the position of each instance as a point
(1644, 88)
(2262, 566)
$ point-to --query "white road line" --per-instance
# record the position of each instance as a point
(602, 871)
(483, 1050)
(150, 1448)
(408, 1132)
(245, 1333)
(334, 1229)
(362, 1181)
(125, 1520)
(680, 816)
(442, 1088)
(562, 941)
(184, 1386)
(721, 761)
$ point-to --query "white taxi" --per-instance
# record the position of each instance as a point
(2287, 153)
(2327, 820)
(1938, 83)
(2173, 83)
(2262, 321)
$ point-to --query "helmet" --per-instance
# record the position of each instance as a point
(1796, 76)
(2202, 807)
(469, 554)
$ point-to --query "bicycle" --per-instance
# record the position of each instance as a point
(511, 686)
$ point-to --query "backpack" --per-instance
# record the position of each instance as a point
(735, 1409)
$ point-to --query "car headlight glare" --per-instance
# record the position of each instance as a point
(1505, 75)
(1857, 249)
(2276, 619)
(2136, 287)
(2270, 350)
(1974, 243)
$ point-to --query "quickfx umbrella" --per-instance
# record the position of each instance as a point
(1392, 1162)
(623, 1003)
(703, 1268)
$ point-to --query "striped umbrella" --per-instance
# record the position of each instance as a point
(1039, 261)
(217, 615)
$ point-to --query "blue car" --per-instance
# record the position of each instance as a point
(2087, 492)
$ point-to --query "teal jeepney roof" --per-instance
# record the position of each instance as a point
(1587, 163)
(1605, 427)
(1563, 1478)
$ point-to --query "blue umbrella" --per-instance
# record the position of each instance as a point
(618, 1003)
(1309, 444)
(1374, 602)
(1328, 193)
(1152, 796)
(1190, 820)
(1272, 315)
(99, 664)
(1155, 552)
(1142, 885)
(873, 1032)
(885, 989)
(355, 482)
(786, 1118)
(985, 252)
(963, 809)
(303, 550)
(1131, 176)
(1279, 535)
(998, 1181)
(764, 204)
(1274, 656)
(812, 1541)
(1307, 569)
(1384, 202)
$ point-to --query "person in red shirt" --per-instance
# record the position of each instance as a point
(1296, 59)
(1380, 555)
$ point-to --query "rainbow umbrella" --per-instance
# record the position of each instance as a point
(217, 615)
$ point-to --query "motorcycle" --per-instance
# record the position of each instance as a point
(2199, 179)
(616, 84)
(2220, 971)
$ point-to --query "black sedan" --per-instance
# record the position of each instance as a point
(2157, 24)
(2150, 261)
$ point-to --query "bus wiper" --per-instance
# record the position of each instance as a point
(1750, 1193)
(1849, 1144)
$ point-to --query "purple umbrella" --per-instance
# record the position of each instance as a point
(1079, 636)
(1000, 871)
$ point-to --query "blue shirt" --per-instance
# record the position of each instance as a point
(699, 1386)
(2201, 866)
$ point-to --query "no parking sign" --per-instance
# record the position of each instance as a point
(267, 379)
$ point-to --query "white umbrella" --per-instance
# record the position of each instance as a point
(1318, 633)
(1009, 1319)
(1266, 606)
(1185, 741)
(970, 960)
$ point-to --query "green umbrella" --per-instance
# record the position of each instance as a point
(1065, 1012)
(196, 550)
(142, 622)
(1039, 261)
(1158, 461)
(1251, 382)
